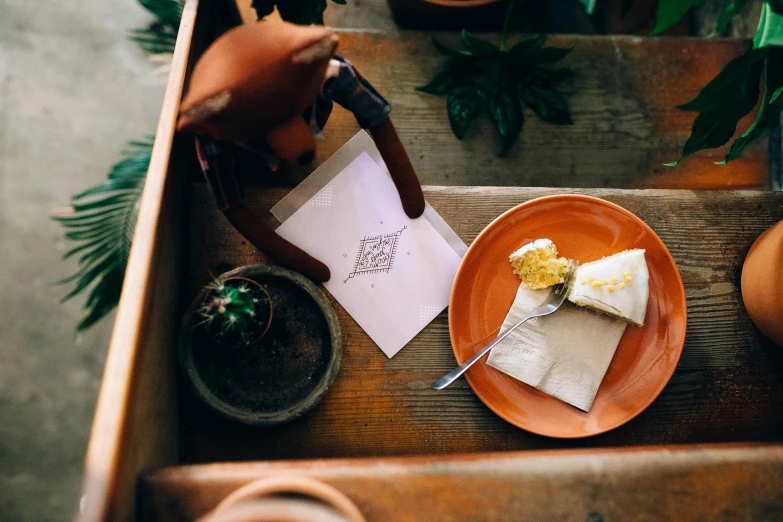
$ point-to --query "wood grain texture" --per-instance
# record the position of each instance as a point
(623, 98)
(727, 387)
(649, 484)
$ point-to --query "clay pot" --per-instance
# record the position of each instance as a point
(281, 376)
(285, 499)
(762, 283)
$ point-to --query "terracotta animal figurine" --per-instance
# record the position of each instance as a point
(268, 87)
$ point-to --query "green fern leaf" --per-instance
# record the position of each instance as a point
(102, 220)
(161, 35)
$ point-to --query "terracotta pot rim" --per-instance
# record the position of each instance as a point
(297, 484)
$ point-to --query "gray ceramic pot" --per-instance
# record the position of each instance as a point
(302, 316)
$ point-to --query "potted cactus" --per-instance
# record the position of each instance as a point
(260, 345)
(237, 311)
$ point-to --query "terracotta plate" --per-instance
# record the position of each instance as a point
(582, 228)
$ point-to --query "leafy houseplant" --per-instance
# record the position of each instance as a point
(484, 76)
(734, 92)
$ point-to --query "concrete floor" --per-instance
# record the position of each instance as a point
(72, 91)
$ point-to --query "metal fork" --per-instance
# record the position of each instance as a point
(552, 303)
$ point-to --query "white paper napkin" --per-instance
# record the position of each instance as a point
(565, 354)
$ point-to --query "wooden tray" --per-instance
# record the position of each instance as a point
(728, 387)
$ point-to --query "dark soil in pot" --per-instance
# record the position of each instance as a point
(278, 377)
(277, 371)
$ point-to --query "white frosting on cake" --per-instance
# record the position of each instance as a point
(535, 245)
(617, 285)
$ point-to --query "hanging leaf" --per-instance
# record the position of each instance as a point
(525, 49)
(506, 114)
(477, 46)
(161, 35)
(768, 117)
(672, 11)
(546, 102)
(731, 10)
(589, 6)
(463, 104)
(451, 73)
(442, 48)
(721, 103)
(776, 95)
(168, 12)
(769, 32)
(102, 219)
(730, 83)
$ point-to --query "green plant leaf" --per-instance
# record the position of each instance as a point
(156, 39)
(168, 12)
(768, 117)
(477, 46)
(723, 102)
(731, 85)
(769, 32)
(589, 6)
(506, 114)
(102, 221)
(161, 35)
(547, 103)
(452, 72)
(524, 49)
(484, 75)
(672, 11)
(463, 104)
(776, 95)
(442, 48)
(731, 10)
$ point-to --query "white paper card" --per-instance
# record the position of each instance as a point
(393, 274)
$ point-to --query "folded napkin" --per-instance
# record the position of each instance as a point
(565, 354)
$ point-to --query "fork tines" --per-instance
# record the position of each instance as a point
(569, 278)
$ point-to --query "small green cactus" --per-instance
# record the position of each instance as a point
(231, 311)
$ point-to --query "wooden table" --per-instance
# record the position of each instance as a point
(649, 485)
(623, 99)
(727, 387)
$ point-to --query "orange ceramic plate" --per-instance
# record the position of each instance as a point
(582, 228)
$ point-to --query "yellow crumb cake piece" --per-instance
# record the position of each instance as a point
(537, 264)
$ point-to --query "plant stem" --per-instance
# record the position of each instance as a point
(509, 10)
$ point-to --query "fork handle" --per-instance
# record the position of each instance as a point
(454, 374)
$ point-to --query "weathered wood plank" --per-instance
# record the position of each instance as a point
(728, 386)
(660, 484)
(623, 99)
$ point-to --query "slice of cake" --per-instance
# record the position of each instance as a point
(537, 264)
(616, 285)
